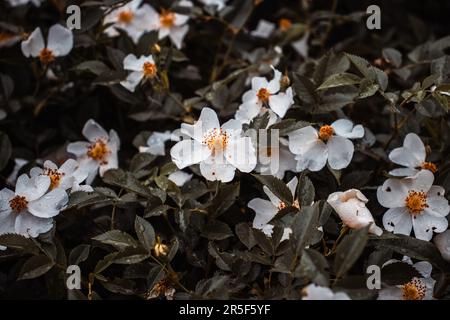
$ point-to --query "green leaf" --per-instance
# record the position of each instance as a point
(313, 266)
(349, 250)
(277, 186)
(79, 254)
(305, 89)
(392, 56)
(329, 64)
(116, 238)
(145, 233)
(224, 199)
(18, 242)
(35, 267)
(127, 181)
(140, 161)
(304, 226)
(81, 199)
(94, 66)
(305, 191)
(223, 260)
(413, 248)
(131, 255)
(216, 230)
(104, 263)
(339, 80)
(238, 17)
(245, 234)
(5, 150)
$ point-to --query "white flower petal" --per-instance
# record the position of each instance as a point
(263, 29)
(189, 152)
(403, 172)
(248, 110)
(133, 79)
(208, 120)
(34, 44)
(8, 222)
(422, 181)
(93, 131)
(412, 154)
(314, 158)
(241, 154)
(265, 211)
(216, 168)
(78, 148)
(33, 188)
(177, 35)
(442, 242)
(345, 128)
(300, 139)
(424, 225)
(392, 193)
(60, 40)
(49, 205)
(281, 102)
(390, 293)
(340, 152)
(5, 196)
(179, 177)
(259, 83)
(398, 220)
(31, 226)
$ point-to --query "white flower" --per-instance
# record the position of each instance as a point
(59, 44)
(142, 68)
(168, 23)
(220, 150)
(129, 18)
(266, 210)
(275, 160)
(315, 292)
(264, 29)
(179, 177)
(414, 202)
(156, 143)
(219, 4)
(351, 208)
(417, 289)
(15, 3)
(29, 210)
(264, 94)
(100, 153)
(301, 46)
(313, 148)
(442, 242)
(412, 156)
(68, 176)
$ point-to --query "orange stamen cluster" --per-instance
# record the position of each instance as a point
(98, 151)
(429, 166)
(416, 202)
(55, 177)
(125, 16)
(46, 56)
(216, 140)
(282, 205)
(149, 69)
(325, 132)
(284, 24)
(167, 18)
(414, 290)
(18, 204)
(263, 95)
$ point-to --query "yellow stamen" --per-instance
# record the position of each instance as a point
(55, 177)
(325, 132)
(99, 151)
(18, 204)
(429, 166)
(416, 202)
(263, 95)
(125, 16)
(216, 140)
(284, 24)
(149, 69)
(414, 290)
(46, 56)
(167, 18)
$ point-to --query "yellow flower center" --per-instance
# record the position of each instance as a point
(98, 151)
(325, 132)
(414, 290)
(125, 16)
(416, 202)
(149, 69)
(282, 205)
(167, 18)
(263, 95)
(55, 177)
(216, 140)
(284, 24)
(429, 166)
(18, 204)
(46, 56)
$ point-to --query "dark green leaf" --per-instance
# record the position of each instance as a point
(277, 186)
(35, 267)
(349, 250)
(145, 233)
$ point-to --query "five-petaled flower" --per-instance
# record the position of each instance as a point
(100, 153)
(411, 155)
(220, 150)
(331, 142)
(414, 203)
(142, 68)
(263, 96)
(29, 210)
(315, 292)
(59, 44)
